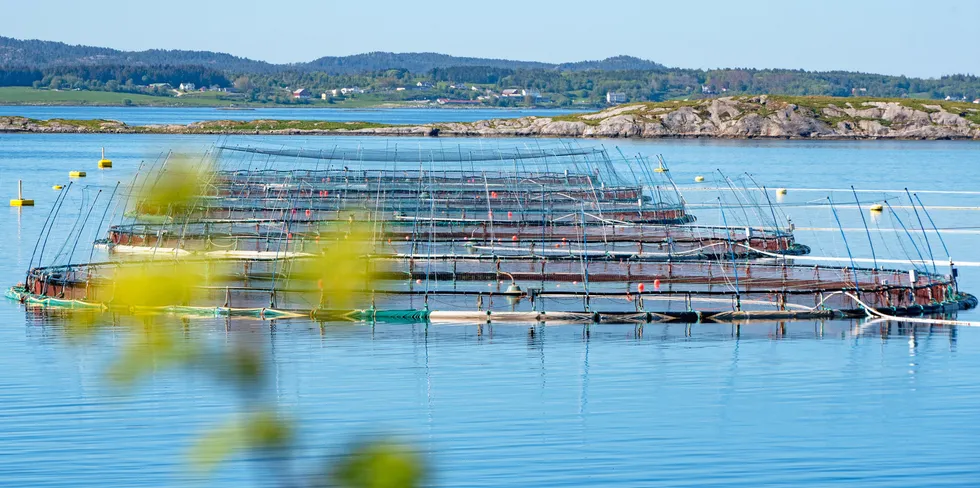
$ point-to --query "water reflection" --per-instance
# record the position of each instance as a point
(52, 323)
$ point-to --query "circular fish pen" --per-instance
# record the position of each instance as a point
(529, 289)
(555, 234)
(515, 239)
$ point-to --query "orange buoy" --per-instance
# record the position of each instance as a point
(656, 284)
(640, 287)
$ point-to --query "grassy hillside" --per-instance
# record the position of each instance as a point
(31, 96)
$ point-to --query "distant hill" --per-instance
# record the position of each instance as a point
(383, 77)
(425, 62)
(45, 54)
(616, 63)
(413, 62)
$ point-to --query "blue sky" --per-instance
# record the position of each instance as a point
(915, 38)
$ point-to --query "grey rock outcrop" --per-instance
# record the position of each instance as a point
(728, 117)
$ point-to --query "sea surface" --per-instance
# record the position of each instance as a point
(186, 115)
(795, 404)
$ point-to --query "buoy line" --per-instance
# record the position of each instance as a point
(966, 231)
(920, 320)
(925, 262)
(933, 192)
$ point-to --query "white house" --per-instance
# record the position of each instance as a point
(531, 93)
(301, 93)
(511, 93)
(187, 87)
(615, 97)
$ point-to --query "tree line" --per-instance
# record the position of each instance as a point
(591, 86)
(113, 77)
(561, 88)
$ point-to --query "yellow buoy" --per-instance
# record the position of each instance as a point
(781, 191)
(57, 187)
(104, 163)
(76, 174)
(877, 207)
(20, 201)
(698, 179)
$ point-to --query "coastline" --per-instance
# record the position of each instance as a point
(760, 117)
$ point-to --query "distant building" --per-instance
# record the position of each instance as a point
(354, 90)
(423, 85)
(531, 93)
(977, 100)
(511, 93)
(401, 88)
(187, 87)
(324, 96)
(301, 93)
(707, 90)
(615, 97)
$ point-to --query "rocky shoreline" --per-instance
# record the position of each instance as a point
(725, 118)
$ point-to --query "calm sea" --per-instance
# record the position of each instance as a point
(810, 404)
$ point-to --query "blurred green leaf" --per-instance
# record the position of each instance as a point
(379, 464)
(144, 353)
(259, 430)
(218, 444)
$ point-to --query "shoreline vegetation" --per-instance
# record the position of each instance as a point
(21, 96)
(743, 117)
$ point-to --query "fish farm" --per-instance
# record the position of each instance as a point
(556, 234)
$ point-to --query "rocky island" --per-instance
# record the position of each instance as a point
(744, 117)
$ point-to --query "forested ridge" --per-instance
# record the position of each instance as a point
(429, 76)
